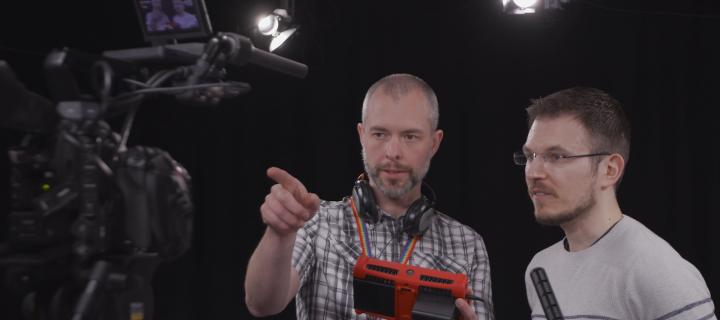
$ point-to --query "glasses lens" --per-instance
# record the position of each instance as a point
(519, 158)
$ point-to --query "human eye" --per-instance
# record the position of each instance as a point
(554, 156)
(378, 135)
(411, 137)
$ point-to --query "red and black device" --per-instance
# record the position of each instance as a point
(397, 291)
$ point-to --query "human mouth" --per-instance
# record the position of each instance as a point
(540, 194)
(393, 173)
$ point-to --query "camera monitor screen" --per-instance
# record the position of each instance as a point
(163, 20)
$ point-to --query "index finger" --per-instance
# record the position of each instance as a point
(287, 181)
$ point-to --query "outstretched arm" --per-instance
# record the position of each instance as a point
(271, 282)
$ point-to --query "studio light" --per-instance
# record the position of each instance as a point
(279, 39)
(277, 25)
(525, 6)
(531, 6)
(268, 25)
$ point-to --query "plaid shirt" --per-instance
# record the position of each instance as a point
(327, 247)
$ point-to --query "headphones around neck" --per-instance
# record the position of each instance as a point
(417, 219)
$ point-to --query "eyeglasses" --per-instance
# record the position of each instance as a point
(521, 159)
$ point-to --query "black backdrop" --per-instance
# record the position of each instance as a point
(484, 65)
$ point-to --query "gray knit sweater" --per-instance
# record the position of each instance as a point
(630, 273)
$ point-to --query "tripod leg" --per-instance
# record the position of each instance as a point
(87, 298)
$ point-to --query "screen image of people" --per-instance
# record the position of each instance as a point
(181, 18)
(157, 20)
(169, 15)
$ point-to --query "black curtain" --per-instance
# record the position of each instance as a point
(659, 58)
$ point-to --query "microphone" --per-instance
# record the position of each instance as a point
(242, 51)
(545, 294)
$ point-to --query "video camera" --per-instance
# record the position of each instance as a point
(91, 218)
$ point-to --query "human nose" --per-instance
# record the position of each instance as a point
(535, 167)
(393, 148)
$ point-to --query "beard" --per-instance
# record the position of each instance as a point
(558, 219)
(397, 189)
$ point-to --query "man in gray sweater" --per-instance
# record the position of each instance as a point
(609, 265)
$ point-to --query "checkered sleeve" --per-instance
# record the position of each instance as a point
(479, 279)
(303, 254)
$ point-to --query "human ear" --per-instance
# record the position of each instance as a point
(611, 170)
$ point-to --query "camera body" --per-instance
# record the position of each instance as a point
(91, 218)
(81, 199)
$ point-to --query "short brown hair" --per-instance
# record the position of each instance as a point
(600, 114)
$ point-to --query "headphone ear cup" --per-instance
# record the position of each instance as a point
(419, 217)
(365, 201)
(426, 220)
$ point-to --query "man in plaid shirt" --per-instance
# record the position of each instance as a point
(310, 246)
